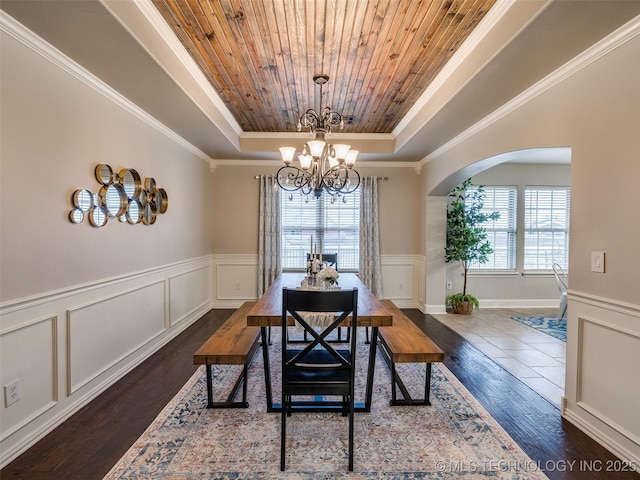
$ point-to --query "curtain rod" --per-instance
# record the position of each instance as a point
(379, 178)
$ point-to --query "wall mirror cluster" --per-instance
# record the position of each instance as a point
(122, 195)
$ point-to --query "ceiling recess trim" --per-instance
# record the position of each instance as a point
(32, 41)
(612, 41)
(143, 21)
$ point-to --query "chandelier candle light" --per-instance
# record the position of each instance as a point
(323, 166)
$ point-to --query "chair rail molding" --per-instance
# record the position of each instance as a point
(235, 279)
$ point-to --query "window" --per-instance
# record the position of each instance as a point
(501, 233)
(546, 227)
(334, 225)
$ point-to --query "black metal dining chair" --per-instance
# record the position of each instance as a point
(330, 259)
(318, 369)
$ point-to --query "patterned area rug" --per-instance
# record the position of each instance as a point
(548, 325)
(454, 438)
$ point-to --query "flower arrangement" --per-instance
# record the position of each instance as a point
(329, 275)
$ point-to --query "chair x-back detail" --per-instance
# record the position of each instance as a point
(318, 369)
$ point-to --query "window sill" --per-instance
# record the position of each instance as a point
(494, 273)
(511, 273)
(538, 273)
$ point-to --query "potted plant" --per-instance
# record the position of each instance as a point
(466, 238)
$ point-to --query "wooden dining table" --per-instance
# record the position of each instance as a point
(267, 312)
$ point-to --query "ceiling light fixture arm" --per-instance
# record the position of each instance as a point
(323, 166)
(322, 122)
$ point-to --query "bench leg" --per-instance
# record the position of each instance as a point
(209, 388)
(407, 400)
(229, 402)
(242, 378)
(397, 383)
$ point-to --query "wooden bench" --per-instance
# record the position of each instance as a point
(405, 342)
(234, 343)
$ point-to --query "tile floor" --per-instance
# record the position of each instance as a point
(536, 358)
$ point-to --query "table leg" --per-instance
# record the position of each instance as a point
(427, 385)
(267, 368)
(372, 363)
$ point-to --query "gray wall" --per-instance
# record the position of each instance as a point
(235, 214)
(55, 129)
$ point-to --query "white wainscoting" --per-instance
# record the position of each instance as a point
(95, 331)
(602, 382)
(403, 280)
(39, 393)
(66, 347)
(188, 292)
(235, 280)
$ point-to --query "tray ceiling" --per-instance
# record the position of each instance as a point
(380, 56)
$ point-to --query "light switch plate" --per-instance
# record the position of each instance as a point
(597, 261)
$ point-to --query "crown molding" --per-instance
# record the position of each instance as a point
(214, 163)
(371, 143)
(26, 37)
(609, 43)
(145, 23)
(503, 21)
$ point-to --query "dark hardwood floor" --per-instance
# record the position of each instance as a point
(88, 444)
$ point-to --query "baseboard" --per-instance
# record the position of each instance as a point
(606, 441)
(518, 303)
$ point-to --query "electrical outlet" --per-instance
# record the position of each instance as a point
(449, 285)
(12, 392)
(401, 286)
(237, 285)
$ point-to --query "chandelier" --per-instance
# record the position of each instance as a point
(323, 166)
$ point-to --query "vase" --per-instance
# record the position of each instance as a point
(328, 285)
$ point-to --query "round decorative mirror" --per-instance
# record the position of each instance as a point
(130, 181)
(114, 199)
(76, 215)
(150, 185)
(162, 202)
(144, 196)
(104, 174)
(149, 215)
(134, 212)
(82, 199)
(98, 217)
(121, 195)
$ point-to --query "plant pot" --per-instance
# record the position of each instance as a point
(463, 308)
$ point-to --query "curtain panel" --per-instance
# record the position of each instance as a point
(370, 267)
(269, 246)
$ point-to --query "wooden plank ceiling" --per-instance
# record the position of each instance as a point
(380, 55)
